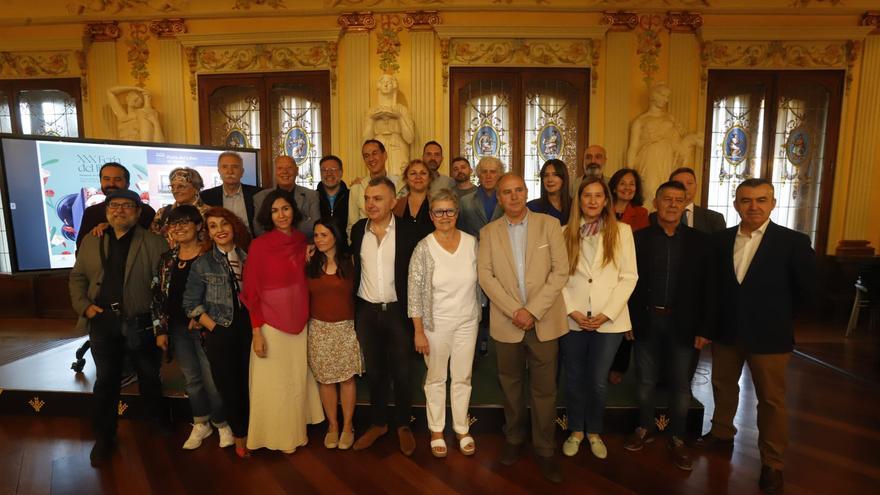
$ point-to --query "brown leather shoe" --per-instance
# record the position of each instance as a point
(679, 455)
(710, 441)
(637, 440)
(369, 437)
(407, 441)
(771, 480)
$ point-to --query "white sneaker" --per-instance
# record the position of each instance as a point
(226, 438)
(200, 432)
(597, 446)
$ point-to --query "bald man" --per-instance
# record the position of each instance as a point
(593, 164)
(306, 199)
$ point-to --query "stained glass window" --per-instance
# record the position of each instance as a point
(48, 113)
(776, 125)
(5, 115)
(281, 114)
(523, 117)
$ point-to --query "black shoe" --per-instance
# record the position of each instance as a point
(509, 454)
(102, 451)
(550, 468)
(679, 454)
(771, 481)
(710, 441)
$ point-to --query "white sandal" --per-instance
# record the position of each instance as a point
(438, 448)
(466, 444)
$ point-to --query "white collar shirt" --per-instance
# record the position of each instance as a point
(377, 265)
(744, 248)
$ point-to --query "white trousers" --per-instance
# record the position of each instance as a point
(451, 344)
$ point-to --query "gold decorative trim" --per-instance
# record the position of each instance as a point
(191, 55)
(388, 41)
(594, 64)
(356, 21)
(662, 422)
(332, 58)
(36, 64)
(648, 49)
(422, 20)
(121, 408)
(683, 22)
(620, 21)
(871, 19)
(444, 60)
(853, 50)
(167, 28)
(562, 422)
(102, 31)
(139, 53)
(520, 51)
(82, 62)
(471, 421)
(777, 54)
(36, 404)
(259, 57)
(246, 4)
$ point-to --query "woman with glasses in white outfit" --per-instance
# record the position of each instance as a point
(444, 304)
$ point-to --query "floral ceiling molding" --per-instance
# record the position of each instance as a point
(518, 52)
(780, 55)
(82, 7)
(261, 58)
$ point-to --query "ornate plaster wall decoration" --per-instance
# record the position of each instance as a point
(103, 31)
(247, 4)
(648, 36)
(33, 65)
(444, 60)
(620, 21)
(80, 7)
(139, 53)
(421, 20)
(806, 3)
(167, 28)
(519, 51)
(683, 22)
(871, 19)
(332, 59)
(356, 21)
(388, 47)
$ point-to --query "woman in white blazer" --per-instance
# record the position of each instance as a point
(602, 259)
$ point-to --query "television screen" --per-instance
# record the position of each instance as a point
(49, 182)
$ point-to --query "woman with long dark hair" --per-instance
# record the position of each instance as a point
(284, 395)
(211, 299)
(334, 352)
(603, 274)
(555, 199)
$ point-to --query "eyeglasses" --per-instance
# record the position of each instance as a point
(121, 206)
(329, 170)
(449, 212)
(180, 224)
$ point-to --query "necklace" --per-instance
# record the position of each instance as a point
(181, 264)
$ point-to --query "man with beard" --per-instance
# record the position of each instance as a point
(113, 177)
(593, 165)
(110, 291)
(432, 155)
(461, 174)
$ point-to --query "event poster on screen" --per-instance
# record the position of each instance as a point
(70, 183)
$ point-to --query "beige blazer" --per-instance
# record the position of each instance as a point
(609, 286)
(546, 275)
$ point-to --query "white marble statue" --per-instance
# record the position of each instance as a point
(658, 143)
(136, 119)
(390, 123)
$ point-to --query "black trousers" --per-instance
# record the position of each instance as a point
(621, 359)
(388, 354)
(229, 351)
(109, 349)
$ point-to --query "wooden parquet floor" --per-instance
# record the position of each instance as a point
(834, 431)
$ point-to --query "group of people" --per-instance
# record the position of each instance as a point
(344, 281)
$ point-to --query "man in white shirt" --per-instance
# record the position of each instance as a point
(382, 248)
(765, 271)
(375, 156)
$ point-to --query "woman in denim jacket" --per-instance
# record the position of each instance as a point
(185, 225)
(211, 299)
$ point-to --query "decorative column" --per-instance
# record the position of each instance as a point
(864, 156)
(171, 68)
(684, 75)
(103, 74)
(356, 85)
(620, 48)
(422, 36)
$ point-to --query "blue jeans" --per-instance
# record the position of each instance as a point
(204, 400)
(586, 359)
(662, 344)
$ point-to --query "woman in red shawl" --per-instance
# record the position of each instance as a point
(284, 395)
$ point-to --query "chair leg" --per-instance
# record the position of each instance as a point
(854, 314)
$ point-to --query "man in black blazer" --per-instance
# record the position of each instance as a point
(382, 248)
(764, 272)
(232, 194)
(672, 311)
(697, 217)
(113, 177)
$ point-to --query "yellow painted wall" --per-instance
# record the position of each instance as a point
(554, 21)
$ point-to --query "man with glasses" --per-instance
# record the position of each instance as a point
(110, 291)
(332, 191)
(113, 177)
(286, 171)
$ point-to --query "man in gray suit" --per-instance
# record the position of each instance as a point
(481, 207)
(286, 171)
(110, 291)
(702, 219)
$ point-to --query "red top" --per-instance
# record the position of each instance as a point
(330, 297)
(275, 290)
(635, 216)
